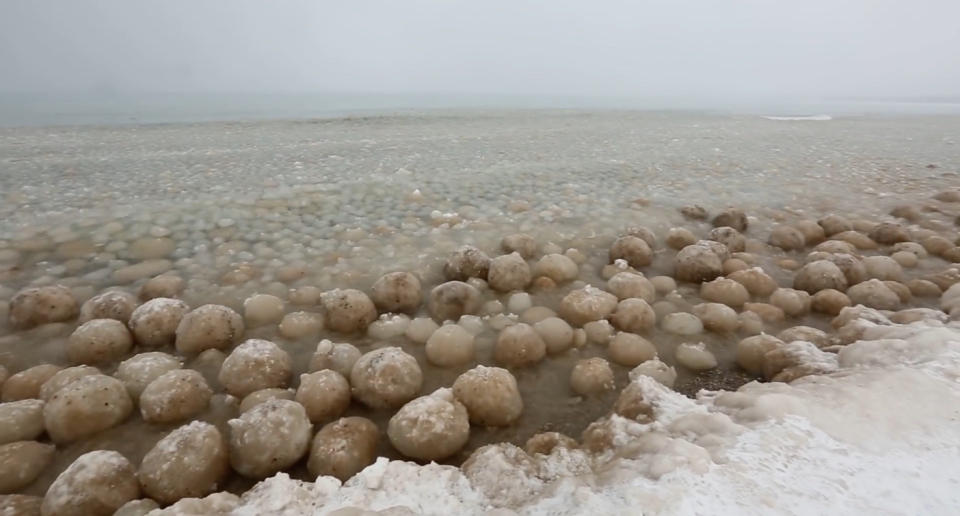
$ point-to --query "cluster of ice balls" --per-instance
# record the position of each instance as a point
(275, 428)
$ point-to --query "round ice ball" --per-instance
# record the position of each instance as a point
(509, 272)
(520, 243)
(695, 357)
(85, 407)
(113, 304)
(519, 302)
(175, 396)
(257, 397)
(682, 323)
(490, 394)
(725, 291)
(678, 238)
(905, 259)
(164, 285)
(717, 317)
(729, 237)
(343, 448)
(96, 484)
(793, 302)
(253, 365)
(752, 350)
(557, 267)
(430, 428)
(154, 323)
(99, 341)
(599, 332)
(386, 378)
(519, 345)
(874, 294)
(453, 299)
(466, 262)
(262, 309)
(882, 268)
(697, 263)
(587, 304)
(557, 335)
(833, 224)
(756, 281)
(829, 301)
(731, 217)
(663, 284)
(635, 251)
(420, 329)
(625, 285)
(591, 376)
(268, 438)
(41, 305)
(820, 275)
(63, 378)
(629, 349)
(139, 370)
(324, 394)
(189, 462)
(657, 370)
(397, 292)
(339, 357)
(300, 325)
(787, 238)
(889, 233)
(21, 463)
(208, 327)
(22, 420)
(812, 232)
(634, 315)
(451, 345)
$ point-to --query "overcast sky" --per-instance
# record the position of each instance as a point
(712, 49)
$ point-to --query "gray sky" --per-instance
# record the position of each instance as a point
(706, 49)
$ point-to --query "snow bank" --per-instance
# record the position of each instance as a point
(879, 435)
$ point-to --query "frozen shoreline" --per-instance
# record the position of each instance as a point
(881, 436)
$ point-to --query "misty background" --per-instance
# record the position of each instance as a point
(118, 59)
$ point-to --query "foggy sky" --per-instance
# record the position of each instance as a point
(708, 49)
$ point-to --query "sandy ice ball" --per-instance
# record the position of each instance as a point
(453, 299)
(208, 327)
(451, 345)
(431, 427)
(113, 304)
(396, 292)
(99, 341)
(591, 376)
(85, 407)
(35, 306)
(188, 462)
(324, 394)
(490, 395)
(253, 365)
(386, 378)
(339, 357)
(268, 438)
(175, 396)
(154, 323)
(96, 484)
(519, 345)
(343, 448)
(139, 370)
(628, 349)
